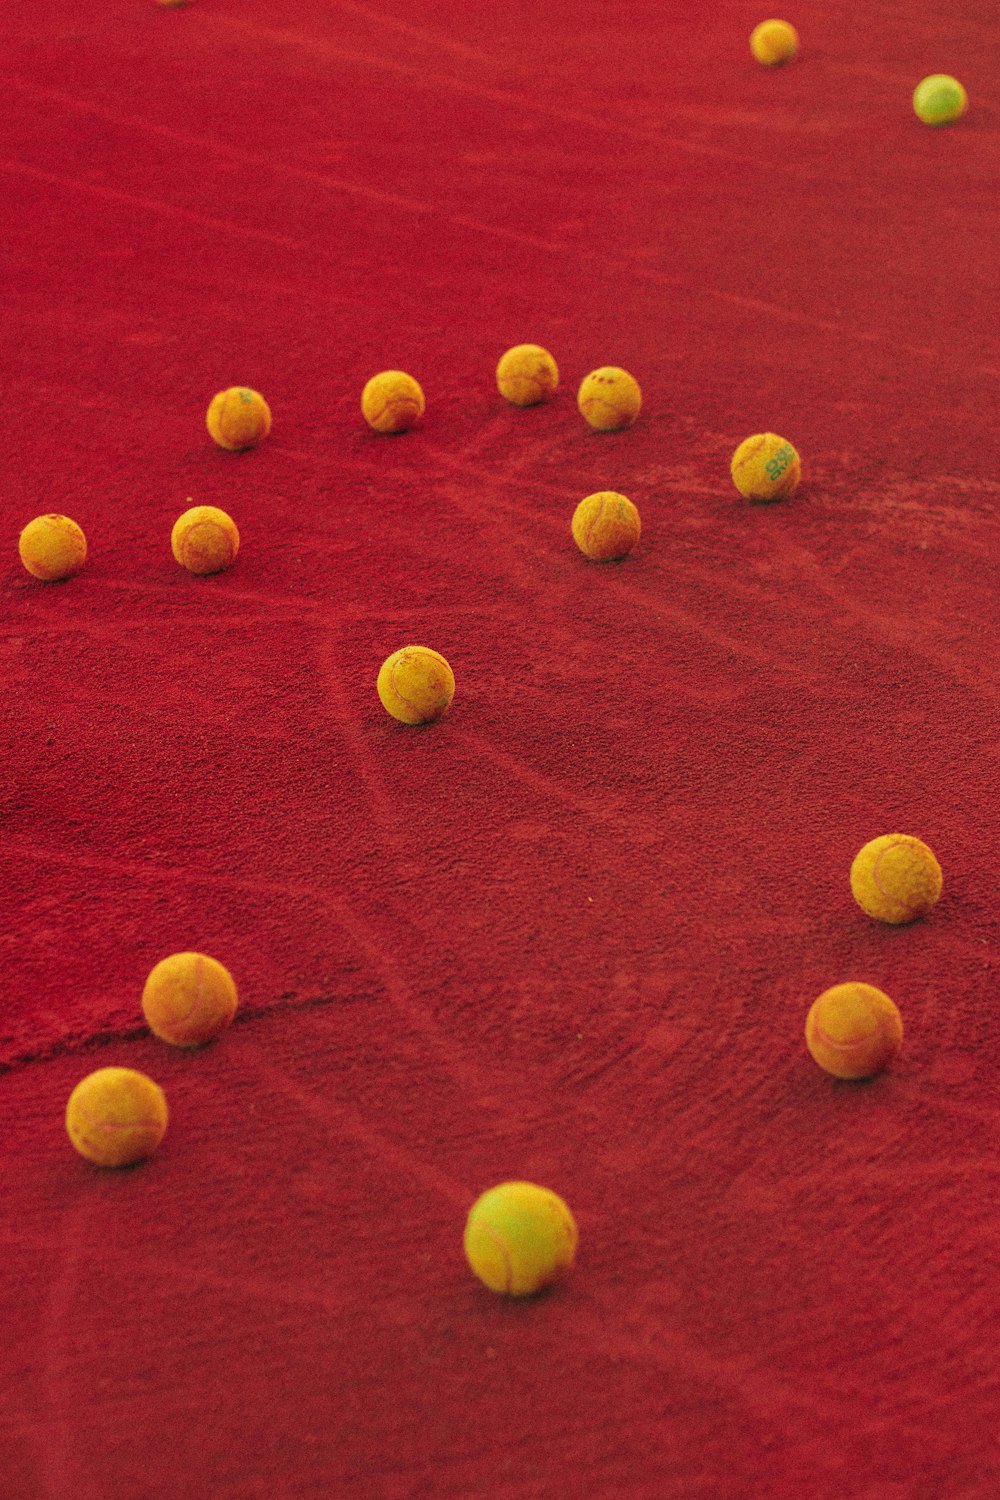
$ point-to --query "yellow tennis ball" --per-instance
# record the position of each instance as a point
(238, 418)
(774, 42)
(606, 526)
(896, 878)
(766, 467)
(116, 1116)
(205, 540)
(853, 1030)
(52, 547)
(189, 999)
(392, 402)
(520, 1238)
(416, 685)
(527, 374)
(939, 99)
(609, 398)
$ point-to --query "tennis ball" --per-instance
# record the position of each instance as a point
(527, 374)
(392, 402)
(52, 547)
(895, 878)
(606, 526)
(853, 1030)
(520, 1238)
(416, 685)
(189, 999)
(774, 42)
(766, 467)
(939, 99)
(116, 1116)
(205, 539)
(609, 398)
(238, 418)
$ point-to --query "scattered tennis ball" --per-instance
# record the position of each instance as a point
(774, 42)
(939, 99)
(896, 878)
(52, 547)
(853, 1030)
(520, 1238)
(116, 1116)
(606, 526)
(189, 999)
(205, 540)
(766, 467)
(527, 375)
(238, 418)
(416, 685)
(609, 398)
(392, 402)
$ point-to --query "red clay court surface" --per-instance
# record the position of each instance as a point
(571, 932)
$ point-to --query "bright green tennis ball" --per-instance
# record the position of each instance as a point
(392, 401)
(520, 1238)
(606, 526)
(115, 1117)
(774, 42)
(939, 99)
(205, 539)
(238, 418)
(853, 1030)
(416, 685)
(189, 999)
(527, 375)
(609, 398)
(766, 467)
(896, 878)
(52, 547)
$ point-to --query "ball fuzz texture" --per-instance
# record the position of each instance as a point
(189, 999)
(416, 685)
(52, 547)
(392, 402)
(939, 99)
(766, 467)
(116, 1116)
(606, 526)
(205, 540)
(774, 42)
(520, 1238)
(238, 418)
(527, 374)
(896, 878)
(609, 398)
(853, 1030)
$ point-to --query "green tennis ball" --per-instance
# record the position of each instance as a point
(520, 1238)
(939, 99)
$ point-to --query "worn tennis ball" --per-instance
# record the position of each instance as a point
(392, 402)
(205, 540)
(520, 1238)
(609, 398)
(774, 42)
(606, 526)
(939, 99)
(853, 1030)
(238, 418)
(766, 467)
(416, 685)
(527, 374)
(189, 999)
(116, 1116)
(52, 547)
(896, 878)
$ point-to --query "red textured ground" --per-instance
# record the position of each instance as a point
(571, 932)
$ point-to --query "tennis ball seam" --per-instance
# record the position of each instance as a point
(501, 1245)
(890, 896)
